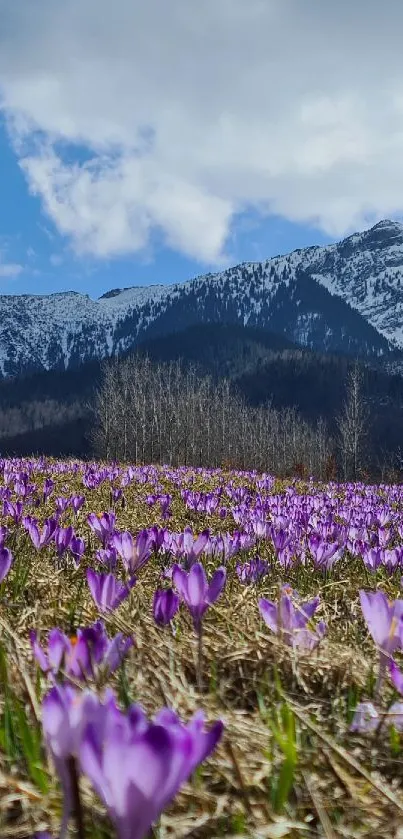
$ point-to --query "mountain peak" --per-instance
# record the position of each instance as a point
(386, 224)
(385, 231)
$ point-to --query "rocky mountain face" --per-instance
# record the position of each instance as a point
(346, 297)
(366, 270)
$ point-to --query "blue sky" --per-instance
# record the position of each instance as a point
(150, 142)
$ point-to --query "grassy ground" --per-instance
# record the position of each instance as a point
(287, 764)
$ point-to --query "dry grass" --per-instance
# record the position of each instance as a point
(344, 786)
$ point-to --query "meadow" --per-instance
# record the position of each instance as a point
(198, 653)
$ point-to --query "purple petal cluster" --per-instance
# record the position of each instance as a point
(165, 606)
(107, 591)
(83, 655)
(384, 619)
(290, 619)
(133, 552)
(252, 571)
(195, 590)
(135, 765)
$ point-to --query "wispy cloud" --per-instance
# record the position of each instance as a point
(185, 114)
(10, 269)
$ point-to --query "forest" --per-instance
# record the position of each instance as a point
(259, 382)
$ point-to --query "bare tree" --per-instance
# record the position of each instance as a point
(353, 425)
(166, 413)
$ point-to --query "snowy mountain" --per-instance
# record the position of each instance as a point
(345, 297)
(366, 270)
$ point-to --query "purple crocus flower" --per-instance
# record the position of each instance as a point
(69, 652)
(392, 558)
(324, 554)
(48, 488)
(47, 532)
(384, 619)
(394, 716)
(366, 718)
(115, 652)
(287, 556)
(372, 558)
(65, 713)
(6, 561)
(63, 537)
(165, 502)
(252, 571)
(192, 547)
(383, 536)
(165, 606)
(396, 675)
(133, 552)
(107, 591)
(77, 549)
(137, 766)
(83, 654)
(261, 528)
(281, 539)
(289, 618)
(31, 525)
(158, 536)
(107, 556)
(195, 590)
(77, 502)
(14, 510)
(103, 526)
(62, 504)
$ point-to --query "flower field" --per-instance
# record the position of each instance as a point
(198, 653)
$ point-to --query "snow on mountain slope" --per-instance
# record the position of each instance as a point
(347, 296)
(367, 271)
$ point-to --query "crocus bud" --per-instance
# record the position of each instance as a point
(165, 606)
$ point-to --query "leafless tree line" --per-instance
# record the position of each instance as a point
(166, 413)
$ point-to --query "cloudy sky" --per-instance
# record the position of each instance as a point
(152, 141)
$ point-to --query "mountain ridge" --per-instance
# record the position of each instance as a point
(344, 297)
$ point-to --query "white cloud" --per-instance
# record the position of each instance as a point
(10, 269)
(189, 113)
(110, 207)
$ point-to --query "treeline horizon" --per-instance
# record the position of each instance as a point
(262, 379)
(150, 412)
